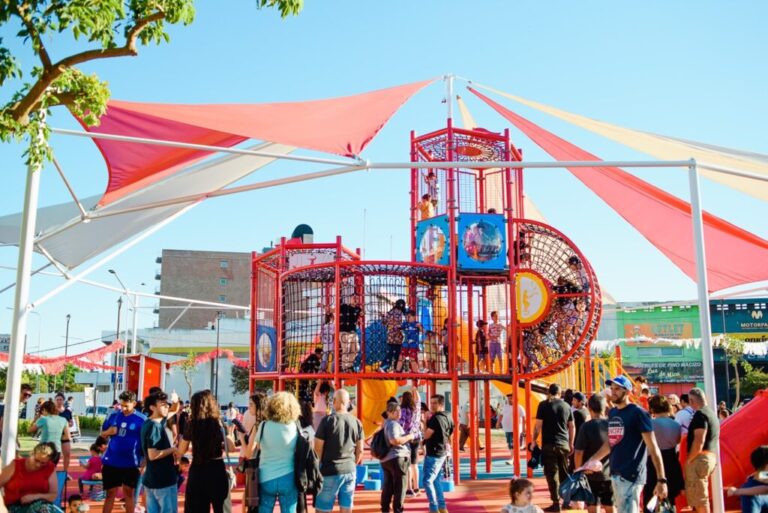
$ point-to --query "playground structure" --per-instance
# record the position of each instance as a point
(473, 252)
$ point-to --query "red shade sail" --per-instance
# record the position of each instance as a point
(734, 256)
(343, 126)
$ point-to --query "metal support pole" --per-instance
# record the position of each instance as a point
(117, 337)
(218, 355)
(20, 310)
(487, 399)
(135, 327)
(528, 423)
(473, 430)
(705, 322)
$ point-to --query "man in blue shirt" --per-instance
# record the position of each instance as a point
(630, 440)
(124, 455)
(411, 329)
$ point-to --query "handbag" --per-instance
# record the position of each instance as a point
(251, 498)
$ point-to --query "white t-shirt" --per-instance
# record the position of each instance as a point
(464, 414)
(321, 405)
(531, 508)
(506, 418)
(684, 417)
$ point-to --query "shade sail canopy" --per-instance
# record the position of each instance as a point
(734, 256)
(670, 148)
(342, 126)
(63, 235)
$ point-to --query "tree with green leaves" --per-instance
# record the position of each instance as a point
(734, 354)
(240, 379)
(106, 29)
(188, 367)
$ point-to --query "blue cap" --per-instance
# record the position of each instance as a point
(622, 381)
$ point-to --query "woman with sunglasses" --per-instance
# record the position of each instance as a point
(29, 484)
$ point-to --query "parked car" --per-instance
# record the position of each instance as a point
(102, 411)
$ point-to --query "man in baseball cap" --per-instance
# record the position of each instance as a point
(630, 442)
(621, 381)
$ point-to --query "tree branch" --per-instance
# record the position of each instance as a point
(35, 36)
(20, 112)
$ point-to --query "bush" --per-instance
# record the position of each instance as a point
(90, 423)
(24, 427)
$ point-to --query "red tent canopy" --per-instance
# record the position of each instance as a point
(734, 256)
(343, 126)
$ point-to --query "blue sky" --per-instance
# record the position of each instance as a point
(690, 69)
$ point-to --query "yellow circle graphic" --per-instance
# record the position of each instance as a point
(532, 296)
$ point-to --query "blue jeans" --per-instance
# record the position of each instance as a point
(626, 495)
(162, 500)
(283, 487)
(341, 486)
(433, 469)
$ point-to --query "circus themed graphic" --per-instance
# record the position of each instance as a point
(432, 241)
(265, 350)
(482, 244)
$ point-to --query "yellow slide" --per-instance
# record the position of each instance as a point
(506, 388)
(375, 395)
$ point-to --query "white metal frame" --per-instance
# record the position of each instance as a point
(22, 306)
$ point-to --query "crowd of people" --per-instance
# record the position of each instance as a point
(632, 448)
(631, 452)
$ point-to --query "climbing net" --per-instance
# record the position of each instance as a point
(560, 336)
(358, 301)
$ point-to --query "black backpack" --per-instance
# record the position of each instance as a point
(309, 480)
(379, 444)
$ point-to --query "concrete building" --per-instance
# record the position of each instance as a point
(216, 276)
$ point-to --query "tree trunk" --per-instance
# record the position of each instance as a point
(737, 384)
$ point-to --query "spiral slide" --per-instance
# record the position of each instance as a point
(375, 395)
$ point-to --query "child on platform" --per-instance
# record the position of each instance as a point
(481, 346)
(426, 208)
(521, 495)
(433, 351)
(327, 333)
(411, 329)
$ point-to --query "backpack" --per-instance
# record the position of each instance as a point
(379, 444)
(309, 480)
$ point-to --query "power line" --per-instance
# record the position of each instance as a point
(97, 339)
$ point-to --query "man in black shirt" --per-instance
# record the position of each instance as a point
(339, 446)
(703, 436)
(554, 420)
(592, 436)
(436, 438)
(349, 316)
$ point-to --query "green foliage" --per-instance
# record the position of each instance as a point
(286, 7)
(107, 29)
(240, 379)
(754, 380)
(24, 427)
(88, 423)
(188, 368)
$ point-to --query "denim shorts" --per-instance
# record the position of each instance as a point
(341, 486)
(162, 500)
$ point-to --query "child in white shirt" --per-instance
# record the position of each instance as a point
(521, 494)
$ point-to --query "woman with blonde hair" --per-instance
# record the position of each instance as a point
(276, 439)
(29, 484)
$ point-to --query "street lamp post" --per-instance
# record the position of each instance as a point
(218, 347)
(66, 351)
(117, 335)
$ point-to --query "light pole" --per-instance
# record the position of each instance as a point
(66, 351)
(117, 335)
(218, 331)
